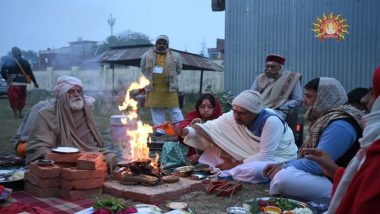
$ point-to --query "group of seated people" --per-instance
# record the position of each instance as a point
(254, 144)
(249, 143)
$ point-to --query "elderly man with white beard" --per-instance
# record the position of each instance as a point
(66, 122)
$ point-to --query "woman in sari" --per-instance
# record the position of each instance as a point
(207, 108)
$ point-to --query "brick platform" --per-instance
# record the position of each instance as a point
(152, 194)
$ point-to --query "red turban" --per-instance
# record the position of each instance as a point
(275, 58)
(376, 82)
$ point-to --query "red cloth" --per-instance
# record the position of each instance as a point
(338, 175)
(22, 207)
(376, 82)
(363, 193)
(195, 114)
(27, 202)
(17, 96)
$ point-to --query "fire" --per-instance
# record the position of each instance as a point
(138, 137)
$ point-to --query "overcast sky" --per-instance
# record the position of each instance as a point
(41, 24)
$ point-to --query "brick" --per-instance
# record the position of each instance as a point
(51, 171)
(77, 174)
(40, 192)
(90, 161)
(41, 182)
(66, 158)
(66, 165)
(80, 194)
(152, 194)
(81, 184)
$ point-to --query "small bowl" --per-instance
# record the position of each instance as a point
(176, 205)
(272, 209)
(237, 210)
(45, 162)
(184, 171)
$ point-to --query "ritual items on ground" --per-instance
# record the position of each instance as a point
(222, 187)
(278, 206)
(184, 171)
(11, 161)
(4, 193)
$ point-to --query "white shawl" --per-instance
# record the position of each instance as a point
(237, 140)
(371, 133)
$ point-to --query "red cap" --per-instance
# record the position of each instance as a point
(275, 58)
(376, 82)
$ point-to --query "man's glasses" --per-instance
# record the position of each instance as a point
(162, 43)
(73, 90)
(271, 66)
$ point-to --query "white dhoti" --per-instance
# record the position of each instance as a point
(300, 184)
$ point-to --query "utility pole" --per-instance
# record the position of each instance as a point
(111, 23)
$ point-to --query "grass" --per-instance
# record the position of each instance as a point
(103, 109)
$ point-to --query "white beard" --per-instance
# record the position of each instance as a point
(76, 103)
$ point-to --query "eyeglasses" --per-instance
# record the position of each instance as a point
(271, 66)
(162, 43)
(73, 90)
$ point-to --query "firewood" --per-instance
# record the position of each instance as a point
(142, 179)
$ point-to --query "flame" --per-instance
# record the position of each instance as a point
(139, 134)
(154, 163)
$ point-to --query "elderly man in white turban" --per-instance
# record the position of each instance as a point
(241, 142)
(67, 122)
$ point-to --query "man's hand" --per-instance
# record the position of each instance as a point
(324, 160)
(271, 170)
(195, 121)
(36, 85)
(194, 159)
(179, 131)
(229, 161)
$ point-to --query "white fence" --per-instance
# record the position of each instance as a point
(101, 80)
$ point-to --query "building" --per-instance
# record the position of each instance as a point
(75, 54)
(256, 28)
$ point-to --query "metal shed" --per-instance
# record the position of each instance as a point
(256, 28)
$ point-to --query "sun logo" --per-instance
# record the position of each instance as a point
(330, 26)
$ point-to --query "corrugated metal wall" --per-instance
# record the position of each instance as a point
(255, 28)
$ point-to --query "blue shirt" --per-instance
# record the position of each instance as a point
(336, 139)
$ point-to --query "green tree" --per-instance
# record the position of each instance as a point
(123, 39)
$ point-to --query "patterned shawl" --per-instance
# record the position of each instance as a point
(276, 93)
(328, 106)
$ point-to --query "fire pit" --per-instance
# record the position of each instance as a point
(139, 177)
(142, 172)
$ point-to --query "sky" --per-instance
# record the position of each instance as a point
(41, 24)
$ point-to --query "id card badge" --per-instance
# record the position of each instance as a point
(158, 70)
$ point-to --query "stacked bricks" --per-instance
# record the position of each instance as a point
(72, 176)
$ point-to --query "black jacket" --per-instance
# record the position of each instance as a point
(10, 67)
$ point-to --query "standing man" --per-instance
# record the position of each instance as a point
(18, 73)
(161, 67)
(281, 90)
